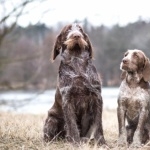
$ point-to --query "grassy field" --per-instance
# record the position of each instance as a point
(24, 132)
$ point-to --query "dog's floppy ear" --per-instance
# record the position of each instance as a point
(90, 48)
(123, 75)
(146, 70)
(56, 48)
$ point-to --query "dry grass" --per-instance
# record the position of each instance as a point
(24, 132)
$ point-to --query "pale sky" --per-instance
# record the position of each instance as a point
(107, 12)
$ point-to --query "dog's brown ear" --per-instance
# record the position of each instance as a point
(146, 70)
(123, 75)
(90, 48)
(56, 48)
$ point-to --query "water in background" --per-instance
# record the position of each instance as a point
(33, 102)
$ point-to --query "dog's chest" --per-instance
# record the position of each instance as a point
(133, 100)
(75, 71)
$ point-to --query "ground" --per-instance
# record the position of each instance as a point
(24, 132)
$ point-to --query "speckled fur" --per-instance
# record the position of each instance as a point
(134, 99)
(77, 110)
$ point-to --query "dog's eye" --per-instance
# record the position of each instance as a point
(68, 31)
(136, 55)
(80, 29)
(125, 54)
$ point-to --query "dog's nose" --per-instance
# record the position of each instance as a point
(76, 36)
(125, 61)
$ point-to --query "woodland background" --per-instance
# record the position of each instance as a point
(25, 51)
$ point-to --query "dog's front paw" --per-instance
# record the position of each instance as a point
(122, 141)
(85, 140)
(136, 144)
(72, 139)
(101, 141)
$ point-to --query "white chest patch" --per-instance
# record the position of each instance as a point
(133, 100)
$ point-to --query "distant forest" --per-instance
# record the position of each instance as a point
(25, 53)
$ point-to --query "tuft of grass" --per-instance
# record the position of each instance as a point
(25, 132)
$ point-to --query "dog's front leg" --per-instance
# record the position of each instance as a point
(122, 141)
(98, 136)
(95, 132)
(137, 139)
(72, 132)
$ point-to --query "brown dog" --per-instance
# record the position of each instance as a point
(134, 99)
(77, 110)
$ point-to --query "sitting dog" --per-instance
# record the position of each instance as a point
(134, 99)
(77, 111)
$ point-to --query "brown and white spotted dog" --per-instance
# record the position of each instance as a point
(77, 111)
(134, 99)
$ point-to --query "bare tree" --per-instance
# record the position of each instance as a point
(10, 12)
(8, 18)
